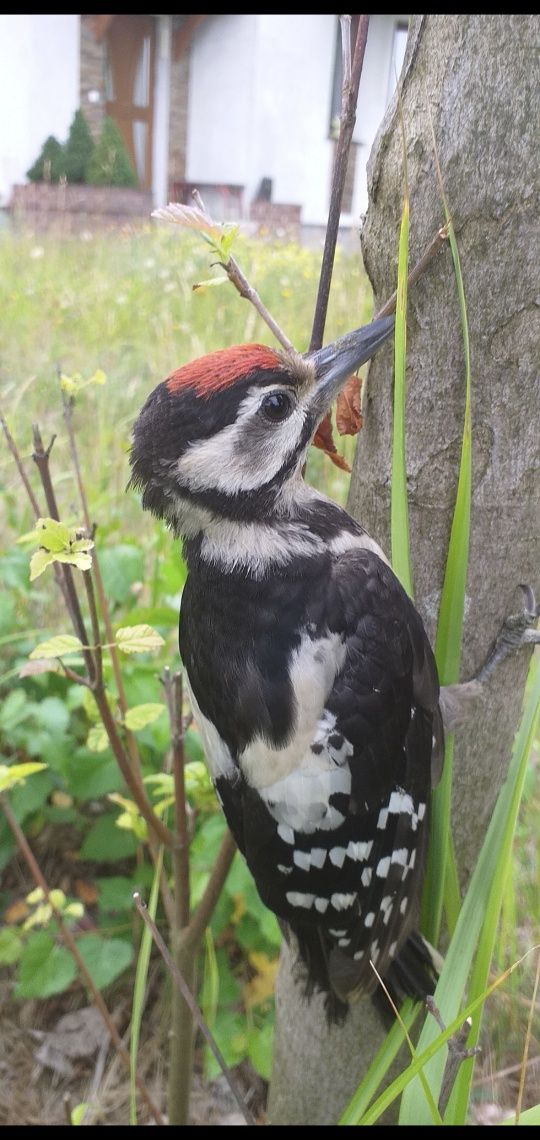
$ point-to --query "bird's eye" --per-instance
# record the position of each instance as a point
(277, 406)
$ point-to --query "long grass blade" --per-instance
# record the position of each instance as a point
(139, 989)
(380, 1064)
(477, 921)
(459, 1101)
(441, 873)
(399, 509)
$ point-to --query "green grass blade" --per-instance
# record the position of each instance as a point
(399, 509)
(441, 870)
(530, 1116)
(477, 918)
(139, 989)
(459, 1101)
(380, 1064)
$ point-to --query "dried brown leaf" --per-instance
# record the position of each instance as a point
(324, 440)
(348, 412)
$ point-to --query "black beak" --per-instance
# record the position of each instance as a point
(335, 362)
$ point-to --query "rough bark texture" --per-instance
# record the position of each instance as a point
(478, 76)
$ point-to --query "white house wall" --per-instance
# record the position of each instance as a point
(221, 92)
(260, 101)
(39, 88)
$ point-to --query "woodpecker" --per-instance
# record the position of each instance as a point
(311, 676)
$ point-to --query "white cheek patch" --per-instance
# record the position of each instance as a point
(244, 454)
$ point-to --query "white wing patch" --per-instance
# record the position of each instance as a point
(297, 781)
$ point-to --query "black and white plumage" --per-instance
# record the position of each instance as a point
(311, 676)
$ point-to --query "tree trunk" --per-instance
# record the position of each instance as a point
(477, 75)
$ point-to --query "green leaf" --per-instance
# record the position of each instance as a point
(45, 968)
(15, 709)
(106, 843)
(52, 715)
(97, 739)
(11, 946)
(115, 894)
(104, 958)
(58, 646)
(121, 566)
(260, 1042)
(17, 774)
(142, 715)
(138, 639)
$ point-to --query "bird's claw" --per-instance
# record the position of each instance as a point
(517, 630)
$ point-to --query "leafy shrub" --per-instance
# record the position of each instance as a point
(110, 164)
(78, 150)
(49, 165)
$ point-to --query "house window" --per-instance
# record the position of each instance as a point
(399, 43)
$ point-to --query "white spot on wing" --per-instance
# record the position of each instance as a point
(369, 919)
(321, 905)
(400, 802)
(383, 817)
(298, 898)
(342, 901)
(383, 867)
(359, 851)
(285, 833)
(284, 870)
(366, 876)
(337, 856)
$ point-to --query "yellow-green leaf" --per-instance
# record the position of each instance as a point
(58, 646)
(99, 377)
(17, 773)
(35, 896)
(138, 639)
(52, 534)
(140, 715)
(211, 283)
(81, 561)
(97, 739)
(39, 562)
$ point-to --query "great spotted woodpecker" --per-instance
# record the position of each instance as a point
(311, 676)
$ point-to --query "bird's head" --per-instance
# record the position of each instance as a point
(224, 435)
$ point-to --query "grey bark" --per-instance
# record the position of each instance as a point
(478, 74)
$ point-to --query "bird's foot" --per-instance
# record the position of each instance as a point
(517, 630)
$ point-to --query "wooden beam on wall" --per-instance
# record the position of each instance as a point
(183, 36)
(101, 25)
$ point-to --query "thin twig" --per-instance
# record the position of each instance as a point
(20, 466)
(187, 995)
(349, 100)
(94, 621)
(241, 283)
(172, 684)
(437, 241)
(71, 945)
(131, 741)
(201, 916)
(457, 1053)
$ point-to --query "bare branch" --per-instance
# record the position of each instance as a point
(172, 684)
(349, 100)
(71, 945)
(201, 917)
(187, 995)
